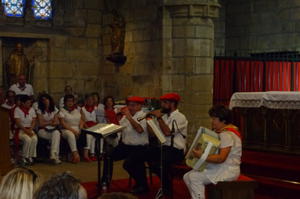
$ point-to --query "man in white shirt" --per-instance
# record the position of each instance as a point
(21, 87)
(173, 125)
(134, 140)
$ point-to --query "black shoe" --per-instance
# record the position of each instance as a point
(140, 190)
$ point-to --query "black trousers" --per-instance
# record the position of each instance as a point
(133, 164)
(170, 156)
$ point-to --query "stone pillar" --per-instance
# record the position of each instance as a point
(188, 41)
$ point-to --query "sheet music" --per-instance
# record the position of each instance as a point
(104, 129)
(160, 136)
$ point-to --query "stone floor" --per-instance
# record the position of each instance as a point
(86, 172)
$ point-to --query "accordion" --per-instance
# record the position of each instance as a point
(206, 140)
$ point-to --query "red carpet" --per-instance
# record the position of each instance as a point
(180, 190)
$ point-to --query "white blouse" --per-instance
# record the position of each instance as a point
(71, 118)
(26, 120)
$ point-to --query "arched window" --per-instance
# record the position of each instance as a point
(13, 8)
(42, 9)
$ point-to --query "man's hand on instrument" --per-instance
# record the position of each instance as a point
(197, 152)
(125, 111)
(157, 113)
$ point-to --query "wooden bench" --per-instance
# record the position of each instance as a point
(242, 188)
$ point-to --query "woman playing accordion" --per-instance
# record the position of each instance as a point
(223, 165)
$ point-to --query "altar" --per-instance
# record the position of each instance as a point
(270, 121)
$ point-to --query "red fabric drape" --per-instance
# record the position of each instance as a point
(278, 76)
(296, 73)
(223, 81)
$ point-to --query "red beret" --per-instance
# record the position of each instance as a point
(135, 99)
(171, 97)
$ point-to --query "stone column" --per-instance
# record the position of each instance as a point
(188, 41)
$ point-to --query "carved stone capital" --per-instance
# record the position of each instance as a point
(193, 8)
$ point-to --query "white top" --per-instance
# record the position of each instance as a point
(89, 116)
(270, 99)
(7, 106)
(179, 130)
(26, 120)
(129, 135)
(100, 113)
(48, 116)
(26, 90)
(71, 118)
(230, 169)
(61, 102)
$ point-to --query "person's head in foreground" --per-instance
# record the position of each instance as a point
(221, 117)
(20, 183)
(134, 104)
(117, 196)
(61, 186)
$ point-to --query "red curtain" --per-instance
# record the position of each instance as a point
(296, 73)
(233, 75)
(278, 76)
(223, 80)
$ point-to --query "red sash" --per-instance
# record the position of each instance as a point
(233, 130)
(89, 109)
(111, 117)
(90, 123)
(25, 110)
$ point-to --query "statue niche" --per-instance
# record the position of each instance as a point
(17, 64)
(117, 26)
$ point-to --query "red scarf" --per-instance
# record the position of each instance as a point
(25, 110)
(89, 109)
(233, 130)
(111, 117)
(90, 123)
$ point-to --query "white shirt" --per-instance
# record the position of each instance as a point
(47, 116)
(129, 135)
(71, 118)
(89, 116)
(230, 169)
(177, 123)
(26, 90)
(26, 120)
(7, 106)
(100, 113)
(61, 102)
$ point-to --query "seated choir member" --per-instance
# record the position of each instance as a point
(9, 102)
(19, 183)
(99, 108)
(25, 118)
(61, 186)
(10, 105)
(89, 116)
(134, 138)
(173, 125)
(224, 166)
(48, 125)
(21, 87)
(71, 121)
(68, 91)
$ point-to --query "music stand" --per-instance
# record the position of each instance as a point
(162, 139)
(101, 131)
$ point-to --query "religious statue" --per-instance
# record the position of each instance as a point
(17, 64)
(117, 39)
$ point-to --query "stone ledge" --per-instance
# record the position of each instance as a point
(193, 8)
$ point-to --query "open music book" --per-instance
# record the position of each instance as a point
(103, 129)
(160, 136)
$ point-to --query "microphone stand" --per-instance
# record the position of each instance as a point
(160, 192)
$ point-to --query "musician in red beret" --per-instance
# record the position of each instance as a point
(173, 125)
(134, 141)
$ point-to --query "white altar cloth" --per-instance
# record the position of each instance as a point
(270, 99)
